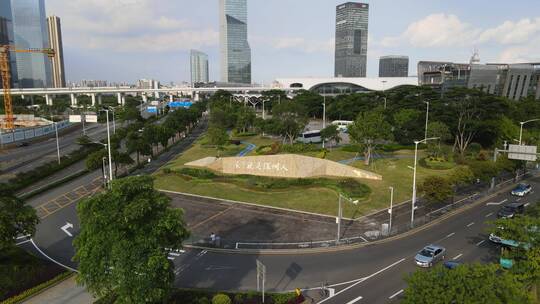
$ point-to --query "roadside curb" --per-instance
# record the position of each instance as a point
(355, 246)
(20, 298)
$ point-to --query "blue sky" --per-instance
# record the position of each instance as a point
(124, 40)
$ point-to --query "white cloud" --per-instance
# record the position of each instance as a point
(512, 32)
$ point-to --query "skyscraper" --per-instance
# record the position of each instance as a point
(6, 36)
(351, 39)
(199, 67)
(55, 42)
(394, 66)
(30, 29)
(235, 50)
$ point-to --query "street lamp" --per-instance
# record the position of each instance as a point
(390, 210)
(340, 214)
(324, 116)
(57, 141)
(427, 118)
(521, 128)
(384, 92)
(413, 201)
(109, 145)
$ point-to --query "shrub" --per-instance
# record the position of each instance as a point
(352, 148)
(462, 176)
(300, 148)
(203, 300)
(239, 299)
(436, 189)
(484, 170)
(197, 173)
(221, 299)
(354, 188)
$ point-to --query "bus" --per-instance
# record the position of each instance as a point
(342, 125)
(310, 137)
(507, 246)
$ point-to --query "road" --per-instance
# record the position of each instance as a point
(371, 274)
(22, 159)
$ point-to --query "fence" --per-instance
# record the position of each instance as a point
(425, 214)
(22, 134)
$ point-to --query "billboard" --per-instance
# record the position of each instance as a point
(91, 118)
(75, 118)
(520, 152)
(151, 109)
(180, 104)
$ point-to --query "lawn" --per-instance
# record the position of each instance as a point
(320, 200)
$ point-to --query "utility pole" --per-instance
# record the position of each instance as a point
(427, 119)
(324, 116)
(340, 215)
(109, 148)
(57, 141)
(390, 210)
(413, 200)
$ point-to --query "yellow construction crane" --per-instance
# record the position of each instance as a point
(9, 122)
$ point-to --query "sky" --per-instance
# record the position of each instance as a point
(126, 40)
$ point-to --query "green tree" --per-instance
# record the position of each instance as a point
(135, 143)
(440, 130)
(407, 126)
(331, 133)
(436, 189)
(217, 137)
(474, 283)
(123, 239)
(95, 160)
(16, 218)
(289, 120)
(369, 129)
(221, 298)
(245, 118)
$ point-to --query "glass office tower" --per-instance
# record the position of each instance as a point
(394, 66)
(235, 50)
(55, 42)
(6, 36)
(30, 29)
(199, 67)
(351, 39)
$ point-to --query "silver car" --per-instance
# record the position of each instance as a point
(429, 255)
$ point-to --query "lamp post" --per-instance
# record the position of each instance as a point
(521, 128)
(57, 141)
(324, 116)
(413, 200)
(427, 118)
(109, 147)
(384, 93)
(390, 210)
(340, 214)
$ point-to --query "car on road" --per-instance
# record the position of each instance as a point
(23, 144)
(511, 210)
(429, 255)
(521, 190)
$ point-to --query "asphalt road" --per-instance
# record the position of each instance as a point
(21, 159)
(372, 274)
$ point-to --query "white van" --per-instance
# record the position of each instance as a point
(342, 125)
(310, 137)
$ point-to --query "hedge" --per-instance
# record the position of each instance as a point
(37, 289)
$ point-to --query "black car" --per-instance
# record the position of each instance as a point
(511, 210)
(23, 144)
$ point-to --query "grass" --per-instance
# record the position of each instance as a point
(319, 200)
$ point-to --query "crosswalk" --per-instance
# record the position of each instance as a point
(174, 253)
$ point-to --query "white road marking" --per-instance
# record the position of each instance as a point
(66, 227)
(489, 214)
(364, 279)
(23, 242)
(210, 268)
(363, 239)
(457, 256)
(527, 204)
(354, 301)
(451, 235)
(23, 237)
(395, 295)
(470, 224)
(48, 257)
(480, 243)
(519, 199)
(496, 204)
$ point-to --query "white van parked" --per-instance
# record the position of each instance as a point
(342, 125)
(310, 137)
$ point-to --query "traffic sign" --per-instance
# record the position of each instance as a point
(521, 152)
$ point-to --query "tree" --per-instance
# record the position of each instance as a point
(16, 218)
(245, 118)
(217, 137)
(136, 143)
(331, 132)
(289, 119)
(95, 160)
(407, 126)
(440, 130)
(474, 283)
(123, 239)
(369, 129)
(436, 189)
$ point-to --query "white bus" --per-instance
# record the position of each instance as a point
(310, 137)
(342, 125)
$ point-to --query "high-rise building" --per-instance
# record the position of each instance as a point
(6, 37)
(351, 39)
(30, 29)
(235, 50)
(199, 67)
(394, 66)
(55, 42)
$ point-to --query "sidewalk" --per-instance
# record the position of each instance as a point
(66, 292)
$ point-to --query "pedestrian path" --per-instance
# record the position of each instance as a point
(66, 292)
(250, 147)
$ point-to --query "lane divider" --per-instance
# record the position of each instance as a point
(489, 214)
(395, 294)
(480, 243)
(364, 279)
(355, 300)
(470, 224)
(457, 256)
